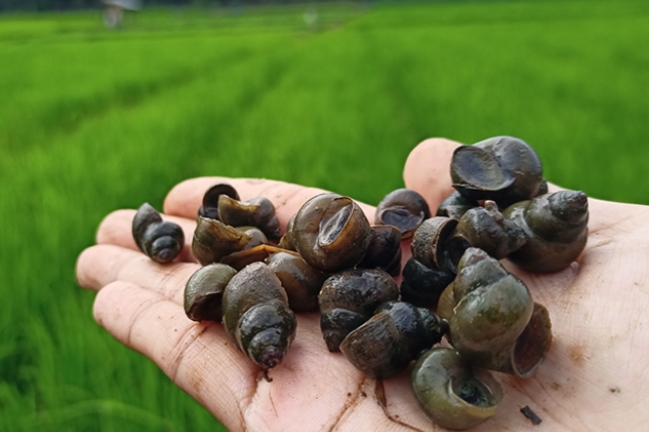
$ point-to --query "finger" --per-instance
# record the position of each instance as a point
(185, 198)
(427, 170)
(198, 357)
(102, 265)
(116, 229)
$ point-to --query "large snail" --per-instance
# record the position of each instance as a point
(256, 315)
(394, 336)
(557, 227)
(493, 321)
(161, 240)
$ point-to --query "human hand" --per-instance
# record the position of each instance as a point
(593, 378)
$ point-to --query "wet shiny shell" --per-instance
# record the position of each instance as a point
(557, 227)
(455, 205)
(431, 246)
(301, 281)
(204, 291)
(256, 315)
(397, 333)
(162, 241)
(454, 394)
(384, 250)
(258, 212)
(349, 298)
(421, 285)
(209, 208)
(331, 232)
(404, 209)
(213, 240)
(503, 169)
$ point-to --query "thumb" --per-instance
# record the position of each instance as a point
(428, 170)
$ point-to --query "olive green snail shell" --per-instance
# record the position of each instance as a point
(454, 394)
(162, 241)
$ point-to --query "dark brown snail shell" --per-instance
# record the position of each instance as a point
(434, 245)
(494, 323)
(331, 232)
(348, 299)
(404, 209)
(422, 286)
(301, 281)
(258, 212)
(213, 240)
(256, 315)
(557, 227)
(204, 291)
(502, 169)
(455, 205)
(454, 394)
(384, 250)
(210, 207)
(288, 241)
(392, 338)
(161, 240)
(486, 228)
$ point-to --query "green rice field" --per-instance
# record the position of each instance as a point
(92, 120)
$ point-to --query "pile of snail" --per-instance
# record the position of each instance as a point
(332, 259)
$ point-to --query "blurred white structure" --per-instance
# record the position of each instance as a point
(114, 12)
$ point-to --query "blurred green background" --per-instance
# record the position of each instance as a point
(93, 120)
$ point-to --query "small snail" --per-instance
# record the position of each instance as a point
(455, 205)
(557, 227)
(258, 212)
(404, 209)
(256, 315)
(422, 286)
(348, 299)
(454, 394)
(486, 228)
(493, 322)
(213, 240)
(331, 232)
(204, 291)
(434, 245)
(384, 250)
(396, 334)
(209, 208)
(161, 240)
(503, 169)
(301, 281)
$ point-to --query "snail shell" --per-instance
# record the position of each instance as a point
(214, 240)
(258, 212)
(454, 394)
(384, 250)
(434, 245)
(301, 281)
(161, 240)
(493, 321)
(503, 169)
(557, 227)
(404, 209)
(394, 336)
(348, 299)
(256, 315)
(455, 205)
(204, 292)
(422, 286)
(209, 208)
(331, 232)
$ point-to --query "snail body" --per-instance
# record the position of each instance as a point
(349, 298)
(161, 240)
(493, 321)
(256, 315)
(452, 393)
(557, 227)
(395, 335)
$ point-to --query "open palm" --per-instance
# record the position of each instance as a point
(595, 376)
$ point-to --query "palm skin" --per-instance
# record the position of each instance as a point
(593, 378)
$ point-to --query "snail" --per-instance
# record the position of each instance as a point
(204, 292)
(455, 205)
(331, 232)
(288, 241)
(434, 245)
(454, 394)
(209, 208)
(213, 240)
(557, 227)
(493, 321)
(161, 240)
(256, 315)
(301, 281)
(258, 212)
(422, 286)
(486, 228)
(348, 299)
(404, 209)
(396, 334)
(384, 250)
(503, 169)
